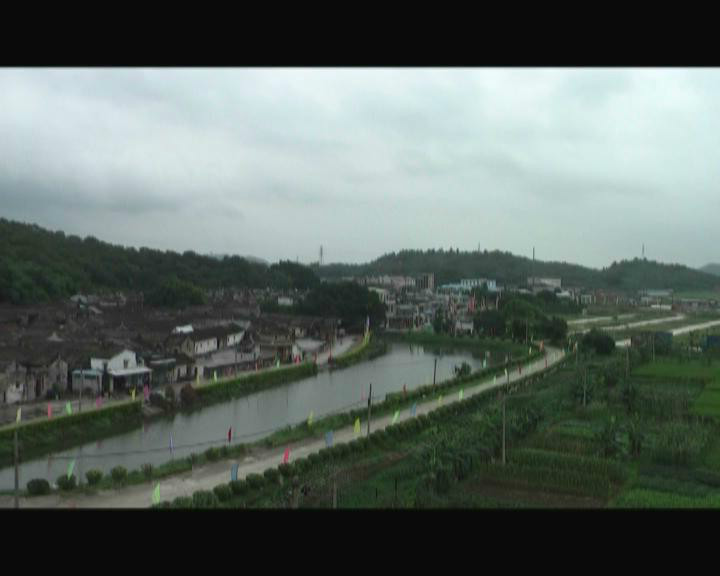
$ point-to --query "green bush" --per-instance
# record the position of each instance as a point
(255, 481)
(313, 460)
(188, 396)
(38, 487)
(271, 475)
(65, 483)
(170, 396)
(223, 492)
(286, 469)
(212, 454)
(147, 470)
(119, 475)
(204, 499)
(182, 502)
(238, 487)
(93, 477)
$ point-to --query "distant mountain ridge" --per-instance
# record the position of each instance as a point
(711, 269)
(38, 265)
(453, 265)
(253, 259)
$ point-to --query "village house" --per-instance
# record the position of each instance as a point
(119, 367)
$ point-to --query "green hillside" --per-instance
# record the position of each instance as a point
(506, 268)
(711, 269)
(37, 265)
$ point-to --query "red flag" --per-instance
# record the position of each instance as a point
(230, 434)
(286, 456)
(49, 411)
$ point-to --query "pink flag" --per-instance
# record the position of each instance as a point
(146, 388)
(97, 402)
(286, 456)
(49, 410)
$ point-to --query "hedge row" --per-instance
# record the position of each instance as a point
(39, 437)
(224, 391)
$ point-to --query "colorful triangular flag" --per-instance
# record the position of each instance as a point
(214, 375)
(310, 418)
(133, 394)
(49, 410)
(172, 445)
(68, 408)
(440, 399)
(460, 395)
(234, 472)
(156, 494)
(70, 469)
(395, 416)
(413, 410)
(17, 418)
(286, 456)
(357, 426)
(98, 402)
(329, 438)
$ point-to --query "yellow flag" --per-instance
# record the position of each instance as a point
(460, 395)
(357, 426)
(133, 394)
(310, 418)
(215, 375)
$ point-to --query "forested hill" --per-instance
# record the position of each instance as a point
(711, 269)
(38, 265)
(506, 268)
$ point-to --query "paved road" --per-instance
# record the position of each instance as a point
(209, 476)
(676, 318)
(675, 332)
(581, 321)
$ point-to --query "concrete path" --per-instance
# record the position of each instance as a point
(675, 332)
(210, 475)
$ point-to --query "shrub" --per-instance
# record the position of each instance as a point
(285, 469)
(169, 396)
(223, 492)
(119, 475)
(271, 475)
(188, 396)
(238, 487)
(182, 502)
(65, 483)
(147, 470)
(93, 477)
(157, 399)
(212, 454)
(255, 481)
(313, 459)
(38, 487)
(204, 499)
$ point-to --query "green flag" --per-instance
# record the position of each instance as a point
(460, 395)
(71, 467)
(494, 379)
(395, 416)
(310, 418)
(214, 375)
(156, 494)
(68, 408)
(357, 426)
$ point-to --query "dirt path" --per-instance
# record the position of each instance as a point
(210, 475)
(676, 331)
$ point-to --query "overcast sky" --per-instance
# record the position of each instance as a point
(586, 165)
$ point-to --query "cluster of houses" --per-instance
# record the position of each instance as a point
(110, 345)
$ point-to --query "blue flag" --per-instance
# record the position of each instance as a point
(233, 472)
(329, 438)
(413, 410)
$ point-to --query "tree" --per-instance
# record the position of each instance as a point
(598, 342)
(489, 323)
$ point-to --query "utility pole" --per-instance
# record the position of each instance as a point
(17, 471)
(369, 408)
(434, 372)
(82, 385)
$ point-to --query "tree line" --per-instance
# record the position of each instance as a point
(37, 265)
(452, 265)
